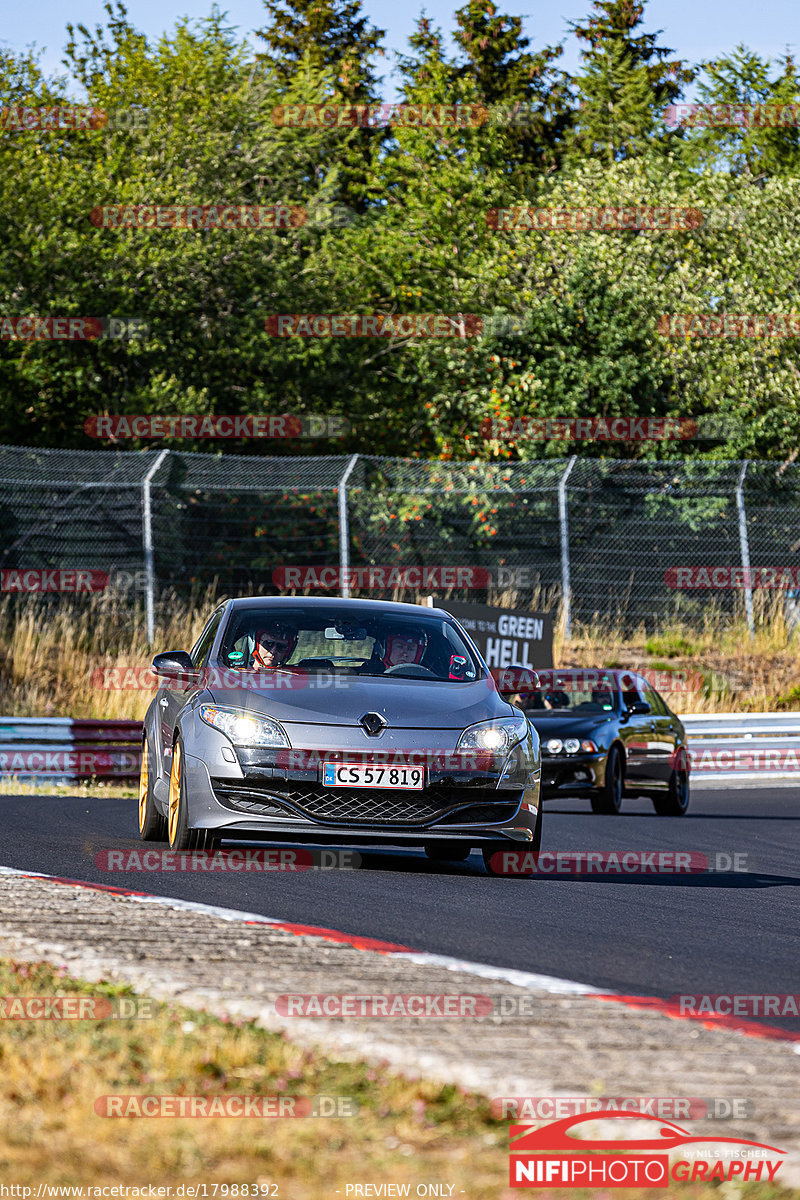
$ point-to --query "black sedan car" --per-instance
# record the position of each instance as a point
(608, 734)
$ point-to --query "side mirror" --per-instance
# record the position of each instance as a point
(639, 708)
(172, 663)
(516, 680)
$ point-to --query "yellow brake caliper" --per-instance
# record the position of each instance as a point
(143, 785)
(174, 792)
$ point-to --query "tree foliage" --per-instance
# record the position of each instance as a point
(397, 223)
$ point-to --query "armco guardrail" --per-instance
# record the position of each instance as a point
(723, 745)
(743, 745)
(64, 748)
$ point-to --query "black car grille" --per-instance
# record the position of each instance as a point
(362, 806)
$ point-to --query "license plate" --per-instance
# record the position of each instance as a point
(359, 775)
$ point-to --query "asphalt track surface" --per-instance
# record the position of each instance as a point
(653, 935)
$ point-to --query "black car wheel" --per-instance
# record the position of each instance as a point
(447, 851)
(152, 825)
(676, 802)
(609, 800)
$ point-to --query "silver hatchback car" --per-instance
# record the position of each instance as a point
(338, 720)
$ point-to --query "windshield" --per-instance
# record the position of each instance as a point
(571, 693)
(348, 642)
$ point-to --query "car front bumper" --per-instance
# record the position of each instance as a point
(279, 795)
(572, 774)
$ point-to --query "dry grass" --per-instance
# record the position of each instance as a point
(52, 656)
(728, 670)
(405, 1132)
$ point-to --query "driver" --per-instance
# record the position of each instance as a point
(273, 645)
(406, 647)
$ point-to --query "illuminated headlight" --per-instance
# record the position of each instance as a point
(498, 737)
(244, 729)
(554, 745)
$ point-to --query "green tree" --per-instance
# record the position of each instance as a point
(525, 90)
(626, 83)
(333, 35)
(755, 143)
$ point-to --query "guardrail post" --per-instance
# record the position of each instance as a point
(566, 593)
(344, 530)
(147, 540)
(744, 545)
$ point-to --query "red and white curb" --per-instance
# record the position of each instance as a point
(523, 979)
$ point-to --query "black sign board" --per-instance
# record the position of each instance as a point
(507, 636)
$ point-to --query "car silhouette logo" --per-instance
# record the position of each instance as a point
(372, 723)
(557, 1136)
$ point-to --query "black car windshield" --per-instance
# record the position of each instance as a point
(572, 693)
(350, 642)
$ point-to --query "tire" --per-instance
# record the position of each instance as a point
(152, 825)
(676, 802)
(179, 835)
(447, 851)
(609, 800)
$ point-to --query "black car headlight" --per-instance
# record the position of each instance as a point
(245, 729)
(555, 746)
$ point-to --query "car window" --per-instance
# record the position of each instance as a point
(654, 700)
(355, 641)
(632, 695)
(572, 692)
(203, 645)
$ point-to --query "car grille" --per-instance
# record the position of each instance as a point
(360, 806)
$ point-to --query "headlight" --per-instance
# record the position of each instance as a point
(498, 737)
(244, 729)
(554, 746)
(572, 745)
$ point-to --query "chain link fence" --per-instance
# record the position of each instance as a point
(596, 539)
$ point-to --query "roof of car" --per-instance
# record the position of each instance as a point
(343, 602)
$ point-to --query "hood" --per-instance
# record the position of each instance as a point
(555, 724)
(404, 703)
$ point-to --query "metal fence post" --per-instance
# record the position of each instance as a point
(744, 544)
(147, 540)
(566, 593)
(344, 530)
